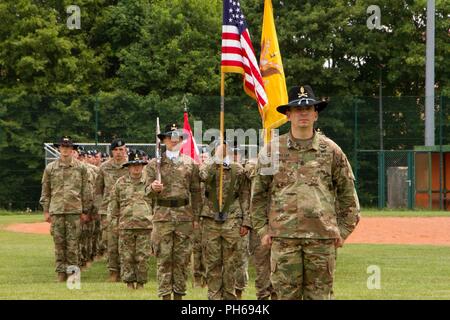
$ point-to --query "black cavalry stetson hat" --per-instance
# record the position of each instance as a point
(172, 130)
(301, 96)
(65, 141)
(135, 157)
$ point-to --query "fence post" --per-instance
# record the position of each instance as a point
(96, 120)
(381, 179)
(411, 180)
(441, 156)
(355, 144)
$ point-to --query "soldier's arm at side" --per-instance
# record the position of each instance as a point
(98, 192)
(347, 203)
(260, 200)
(244, 199)
(114, 206)
(86, 192)
(45, 194)
(196, 197)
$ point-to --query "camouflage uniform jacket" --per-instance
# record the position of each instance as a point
(107, 176)
(312, 195)
(180, 183)
(130, 207)
(66, 188)
(239, 207)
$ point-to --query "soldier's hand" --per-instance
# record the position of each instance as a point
(84, 217)
(266, 240)
(157, 186)
(244, 230)
(195, 225)
(47, 217)
(339, 242)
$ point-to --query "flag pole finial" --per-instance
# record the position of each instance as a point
(185, 102)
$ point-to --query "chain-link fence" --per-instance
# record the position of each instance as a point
(377, 152)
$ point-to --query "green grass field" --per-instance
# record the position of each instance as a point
(407, 271)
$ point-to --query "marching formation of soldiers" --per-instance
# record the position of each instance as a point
(290, 221)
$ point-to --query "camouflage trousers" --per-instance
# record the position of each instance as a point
(303, 268)
(86, 236)
(261, 260)
(172, 245)
(197, 255)
(65, 230)
(96, 238)
(242, 261)
(221, 245)
(135, 250)
(113, 247)
(102, 242)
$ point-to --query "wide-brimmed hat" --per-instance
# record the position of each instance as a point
(65, 141)
(302, 96)
(135, 157)
(171, 130)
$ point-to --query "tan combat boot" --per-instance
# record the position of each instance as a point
(238, 294)
(130, 285)
(273, 296)
(139, 286)
(198, 281)
(166, 297)
(62, 277)
(114, 276)
(177, 296)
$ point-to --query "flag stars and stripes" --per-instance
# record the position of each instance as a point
(238, 54)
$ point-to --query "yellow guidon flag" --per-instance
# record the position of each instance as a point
(272, 73)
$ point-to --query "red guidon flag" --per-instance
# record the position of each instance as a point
(189, 146)
(237, 52)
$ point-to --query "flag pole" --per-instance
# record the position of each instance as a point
(222, 129)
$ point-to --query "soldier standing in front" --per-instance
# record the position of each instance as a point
(313, 205)
(224, 226)
(110, 171)
(66, 199)
(177, 202)
(130, 211)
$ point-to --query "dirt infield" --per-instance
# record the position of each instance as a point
(38, 228)
(432, 231)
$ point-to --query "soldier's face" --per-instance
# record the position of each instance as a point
(302, 117)
(119, 153)
(172, 144)
(65, 151)
(135, 170)
(97, 159)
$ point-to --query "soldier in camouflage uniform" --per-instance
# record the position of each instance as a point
(66, 199)
(88, 228)
(199, 271)
(299, 219)
(243, 248)
(260, 254)
(222, 228)
(95, 162)
(130, 211)
(177, 202)
(109, 172)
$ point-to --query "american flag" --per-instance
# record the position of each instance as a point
(238, 54)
